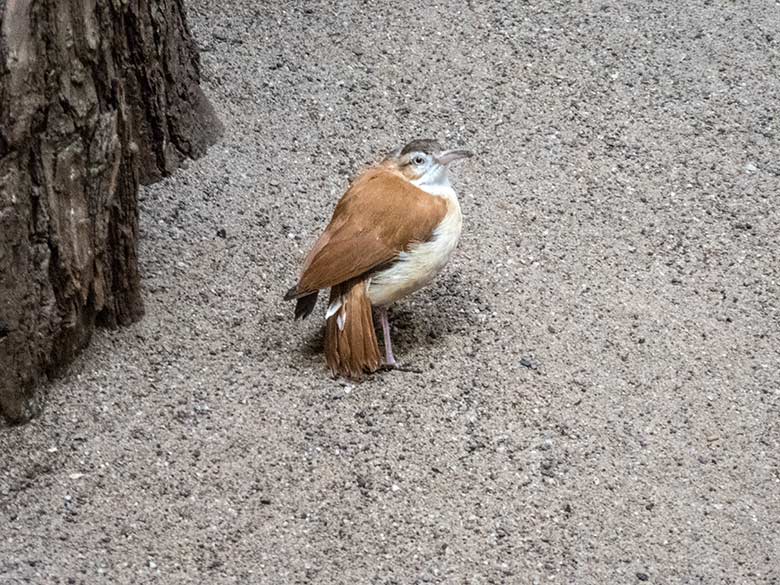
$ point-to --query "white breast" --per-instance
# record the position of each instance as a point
(417, 267)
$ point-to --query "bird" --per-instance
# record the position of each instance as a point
(393, 230)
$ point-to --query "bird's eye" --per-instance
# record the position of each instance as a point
(418, 159)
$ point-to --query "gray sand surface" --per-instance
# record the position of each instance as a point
(599, 400)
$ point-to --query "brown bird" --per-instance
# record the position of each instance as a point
(391, 233)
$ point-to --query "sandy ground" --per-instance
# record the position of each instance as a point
(599, 400)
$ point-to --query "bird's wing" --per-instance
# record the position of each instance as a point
(379, 217)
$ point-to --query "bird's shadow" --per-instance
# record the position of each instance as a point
(314, 344)
(429, 318)
(424, 320)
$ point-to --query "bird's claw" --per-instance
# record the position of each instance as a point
(400, 368)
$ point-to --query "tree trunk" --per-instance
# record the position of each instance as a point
(95, 97)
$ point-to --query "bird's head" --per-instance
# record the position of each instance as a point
(424, 162)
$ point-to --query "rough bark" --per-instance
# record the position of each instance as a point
(95, 97)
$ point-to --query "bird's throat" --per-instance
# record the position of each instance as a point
(435, 183)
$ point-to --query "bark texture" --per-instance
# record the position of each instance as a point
(95, 97)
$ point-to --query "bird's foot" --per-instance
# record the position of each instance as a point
(400, 368)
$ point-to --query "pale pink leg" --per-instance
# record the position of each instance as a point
(389, 359)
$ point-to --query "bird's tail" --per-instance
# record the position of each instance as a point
(351, 346)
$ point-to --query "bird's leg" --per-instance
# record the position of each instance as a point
(390, 362)
(389, 358)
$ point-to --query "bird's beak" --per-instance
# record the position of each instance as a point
(449, 156)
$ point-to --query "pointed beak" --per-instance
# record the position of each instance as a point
(449, 156)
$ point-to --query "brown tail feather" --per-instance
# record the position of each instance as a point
(352, 351)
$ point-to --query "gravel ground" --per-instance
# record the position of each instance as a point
(599, 400)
